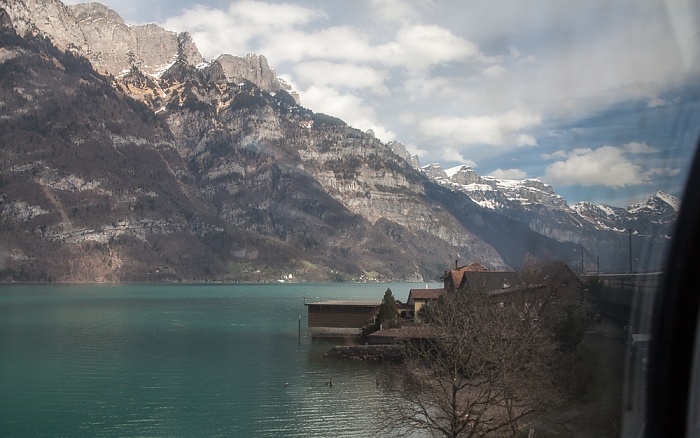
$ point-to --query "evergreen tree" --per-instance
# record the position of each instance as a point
(388, 312)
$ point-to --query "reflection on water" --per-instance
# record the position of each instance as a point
(179, 360)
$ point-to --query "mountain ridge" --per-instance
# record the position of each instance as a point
(196, 174)
(496, 193)
(536, 204)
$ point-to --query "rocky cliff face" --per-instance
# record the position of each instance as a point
(114, 47)
(399, 149)
(254, 69)
(50, 18)
(98, 33)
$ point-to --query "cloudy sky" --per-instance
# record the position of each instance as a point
(599, 98)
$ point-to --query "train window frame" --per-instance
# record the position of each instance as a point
(672, 407)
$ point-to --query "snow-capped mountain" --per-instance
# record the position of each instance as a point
(601, 216)
(534, 195)
(495, 193)
(661, 208)
(601, 229)
(658, 212)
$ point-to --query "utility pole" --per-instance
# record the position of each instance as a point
(630, 232)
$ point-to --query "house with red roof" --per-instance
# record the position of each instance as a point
(475, 276)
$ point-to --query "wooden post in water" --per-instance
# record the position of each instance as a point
(299, 335)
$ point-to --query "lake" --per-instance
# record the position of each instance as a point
(180, 360)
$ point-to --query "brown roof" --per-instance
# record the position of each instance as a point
(474, 267)
(425, 294)
(342, 303)
(458, 273)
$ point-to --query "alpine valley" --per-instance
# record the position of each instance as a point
(125, 156)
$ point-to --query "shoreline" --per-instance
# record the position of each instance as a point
(380, 353)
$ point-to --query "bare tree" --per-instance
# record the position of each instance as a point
(482, 362)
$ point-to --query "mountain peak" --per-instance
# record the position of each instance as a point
(255, 69)
(671, 200)
(661, 208)
(435, 171)
(98, 33)
(113, 47)
(94, 11)
(495, 193)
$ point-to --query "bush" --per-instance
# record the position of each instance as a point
(568, 331)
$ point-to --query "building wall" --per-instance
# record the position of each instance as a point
(417, 305)
(340, 316)
(334, 332)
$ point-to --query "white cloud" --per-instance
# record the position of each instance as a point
(336, 43)
(450, 154)
(416, 150)
(606, 166)
(419, 88)
(350, 108)
(421, 46)
(664, 171)
(656, 102)
(639, 148)
(558, 133)
(498, 130)
(554, 155)
(349, 76)
(508, 174)
(279, 31)
(271, 16)
(208, 27)
(495, 71)
(525, 140)
(393, 11)
(218, 31)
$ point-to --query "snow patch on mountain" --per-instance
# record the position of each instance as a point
(659, 202)
(495, 193)
(514, 197)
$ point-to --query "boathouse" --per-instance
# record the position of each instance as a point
(334, 319)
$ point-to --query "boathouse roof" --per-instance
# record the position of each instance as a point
(344, 303)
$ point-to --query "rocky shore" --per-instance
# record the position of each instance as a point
(379, 353)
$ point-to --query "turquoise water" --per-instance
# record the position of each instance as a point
(179, 360)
